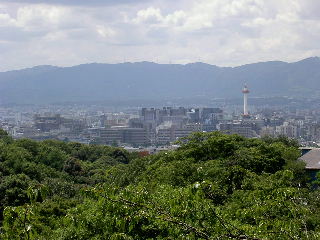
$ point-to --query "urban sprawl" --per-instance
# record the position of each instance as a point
(156, 128)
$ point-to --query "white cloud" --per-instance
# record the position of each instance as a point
(153, 15)
(223, 32)
(6, 20)
(150, 15)
(105, 32)
(44, 17)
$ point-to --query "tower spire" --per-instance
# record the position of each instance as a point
(245, 92)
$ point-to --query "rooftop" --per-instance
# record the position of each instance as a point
(312, 159)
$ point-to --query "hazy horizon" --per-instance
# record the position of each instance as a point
(88, 63)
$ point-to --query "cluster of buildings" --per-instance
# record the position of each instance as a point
(155, 126)
(158, 126)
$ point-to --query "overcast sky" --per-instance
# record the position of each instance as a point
(220, 32)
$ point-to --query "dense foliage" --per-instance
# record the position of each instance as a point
(214, 186)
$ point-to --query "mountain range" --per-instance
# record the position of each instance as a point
(152, 81)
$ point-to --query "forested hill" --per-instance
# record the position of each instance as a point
(214, 186)
(151, 81)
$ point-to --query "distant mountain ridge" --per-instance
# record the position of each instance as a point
(146, 80)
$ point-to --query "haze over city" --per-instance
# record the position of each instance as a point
(223, 33)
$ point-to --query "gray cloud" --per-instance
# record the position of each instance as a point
(75, 2)
(228, 32)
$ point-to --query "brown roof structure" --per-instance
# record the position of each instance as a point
(312, 159)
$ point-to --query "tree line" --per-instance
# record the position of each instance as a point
(214, 186)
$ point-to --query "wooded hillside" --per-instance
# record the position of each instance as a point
(214, 186)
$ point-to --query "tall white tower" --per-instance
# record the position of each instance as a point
(245, 92)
